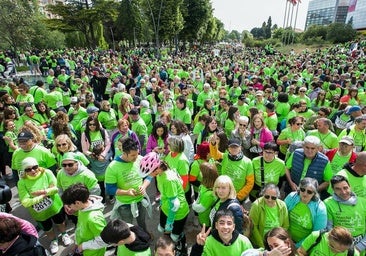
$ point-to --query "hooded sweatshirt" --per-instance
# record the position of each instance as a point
(82, 175)
(90, 224)
(351, 214)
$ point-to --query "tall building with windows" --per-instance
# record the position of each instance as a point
(325, 12)
(357, 14)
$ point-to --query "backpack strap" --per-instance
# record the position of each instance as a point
(317, 241)
(262, 172)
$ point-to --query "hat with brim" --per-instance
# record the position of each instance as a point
(234, 143)
(348, 140)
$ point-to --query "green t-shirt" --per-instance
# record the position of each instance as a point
(301, 224)
(206, 198)
(125, 175)
(214, 247)
(183, 115)
(329, 140)
(273, 171)
(349, 216)
(358, 184)
(91, 222)
(180, 164)
(84, 176)
(322, 248)
(338, 162)
(108, 119)
(286, 133)
(41, 208)
(43, 156)
(170, 187)
(238, 171)
(271, 220)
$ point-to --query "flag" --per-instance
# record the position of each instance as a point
(294, 2)
(352, 5)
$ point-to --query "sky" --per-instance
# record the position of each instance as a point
(246, 14)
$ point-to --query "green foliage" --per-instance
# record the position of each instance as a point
(16, 23)
(315, 31)
(196, 14)
(340, 33)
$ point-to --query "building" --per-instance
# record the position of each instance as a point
(325, 12)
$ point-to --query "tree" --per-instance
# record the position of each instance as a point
(196, 13)
(315, 31)
(82, 17)
(16, 23)
(130, 22)
(340, 33)
(268, 28)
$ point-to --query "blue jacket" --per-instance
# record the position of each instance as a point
(315, 169)
(317, 209)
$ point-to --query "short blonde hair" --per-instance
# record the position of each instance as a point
(225, 180)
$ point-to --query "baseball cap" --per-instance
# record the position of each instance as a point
(91, 110)
(234, 143)
(352, 109)
(69, 156)
(25, 135)
(348, 140)
(133, 111)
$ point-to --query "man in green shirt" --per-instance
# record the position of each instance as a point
(28, 148)
(327, 138)
(345, 209)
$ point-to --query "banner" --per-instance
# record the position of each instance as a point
(351, 6)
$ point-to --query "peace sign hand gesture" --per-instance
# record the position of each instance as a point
(201, 236)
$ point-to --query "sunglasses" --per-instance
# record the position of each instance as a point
(243, 125)
(302, 91)
(34, 168)
(268, 197)
(92, 124)
(68, 165)
(299, 124)
(309, 192)
(62, 145)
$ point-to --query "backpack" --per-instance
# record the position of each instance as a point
(247, 222)
(351, 250)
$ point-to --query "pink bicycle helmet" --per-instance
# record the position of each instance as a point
(149, 163)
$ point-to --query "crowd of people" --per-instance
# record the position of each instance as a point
(267, 150)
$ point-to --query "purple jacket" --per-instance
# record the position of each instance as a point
(153, 143)
(265, 136)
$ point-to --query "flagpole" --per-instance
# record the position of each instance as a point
(284, 16)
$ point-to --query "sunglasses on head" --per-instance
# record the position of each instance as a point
(268, 197)
(31, 168)
(309, 192)
(68, 165)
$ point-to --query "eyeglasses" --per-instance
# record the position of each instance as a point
(298, 124)
(31, 168)
(243, 125)
(62, 145)
(268, 197)
(309, 192)
(92, 124)
(68, 165)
